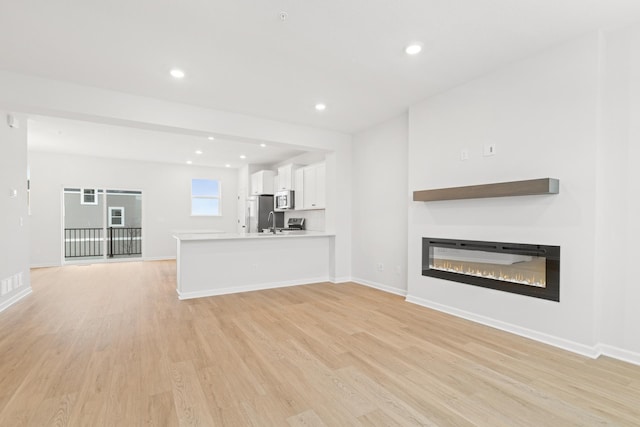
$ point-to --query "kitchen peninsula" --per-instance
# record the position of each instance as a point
(221, 263)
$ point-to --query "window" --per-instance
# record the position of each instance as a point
(88, 196)
(116, 216)
(205, 197)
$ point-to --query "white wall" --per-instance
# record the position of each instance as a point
(573, 113)
(166, 203)
(380, 200)
(618, 204)
(630, 338)
(14, 226)
(543, 115)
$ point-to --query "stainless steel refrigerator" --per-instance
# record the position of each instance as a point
(258, 208)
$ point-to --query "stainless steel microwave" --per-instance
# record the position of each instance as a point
(284, 200)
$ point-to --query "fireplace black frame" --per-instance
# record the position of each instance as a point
(551, 253)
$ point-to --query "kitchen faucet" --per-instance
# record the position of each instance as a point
(273, 229)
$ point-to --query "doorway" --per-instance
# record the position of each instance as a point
(101, 224)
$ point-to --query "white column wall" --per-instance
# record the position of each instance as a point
(14, 223)
(380, 200)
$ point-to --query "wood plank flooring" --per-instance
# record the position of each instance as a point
(111, 344)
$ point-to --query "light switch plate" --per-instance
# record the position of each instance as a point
(489, 149)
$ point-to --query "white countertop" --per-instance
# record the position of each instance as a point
(188, 236)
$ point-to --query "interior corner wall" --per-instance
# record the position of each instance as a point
(166, 199)
(618, 206)
(380, 200)
(14, 227)
(542, 115)
(630, 338)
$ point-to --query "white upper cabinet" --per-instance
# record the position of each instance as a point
(286, 177)
(262, 182)
(298, 194)
(311, 187)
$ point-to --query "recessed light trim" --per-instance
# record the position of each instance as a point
(189, 162)
(242, 156)
(177, 73)
(210, 138)
(321, 107)
(198, 151)
(413, 49)
(227, 165)
(263, 145)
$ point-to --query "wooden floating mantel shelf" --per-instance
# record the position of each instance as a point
(500, 189)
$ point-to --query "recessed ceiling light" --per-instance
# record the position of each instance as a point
(189, 162)
(176, 73)
(263, 145)
(198, 151)
(210, 138)
(321, 107)
(227, 165)
(242, 156)
(413, 49)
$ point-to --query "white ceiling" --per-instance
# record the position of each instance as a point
(101, 140)
(239, 56)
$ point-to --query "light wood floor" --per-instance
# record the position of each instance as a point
(113, 345)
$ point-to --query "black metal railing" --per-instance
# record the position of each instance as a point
(82, 242)
(88, 242)
(124, 241)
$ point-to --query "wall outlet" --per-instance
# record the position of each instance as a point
(489, 149)
(380, 266)
(464, 154)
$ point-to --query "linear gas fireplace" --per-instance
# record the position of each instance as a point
(532, 270)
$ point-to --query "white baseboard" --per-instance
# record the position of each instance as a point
(574, 347)
(618, 353)
(159, 258)
(81, 261)
(379, 286)
(45, 265)
(248, 288)
(337, 280)
(14, 299)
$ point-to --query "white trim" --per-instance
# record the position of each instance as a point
(249, 288)
(337, 280)
(14, 299)
(93, 261)
(585, 350)
(95, 196)
(618, 353)
(218, 198)
(110, 216)
(44, 265)
(160, 258)
(379, 286)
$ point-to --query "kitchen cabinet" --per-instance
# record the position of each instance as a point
(262, 182)
(298, 191)
(311, 187)
(286, 177)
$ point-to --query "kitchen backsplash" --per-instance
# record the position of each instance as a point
(314, 219)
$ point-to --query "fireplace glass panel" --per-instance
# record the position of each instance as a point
(520, 268)
(514, 268)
